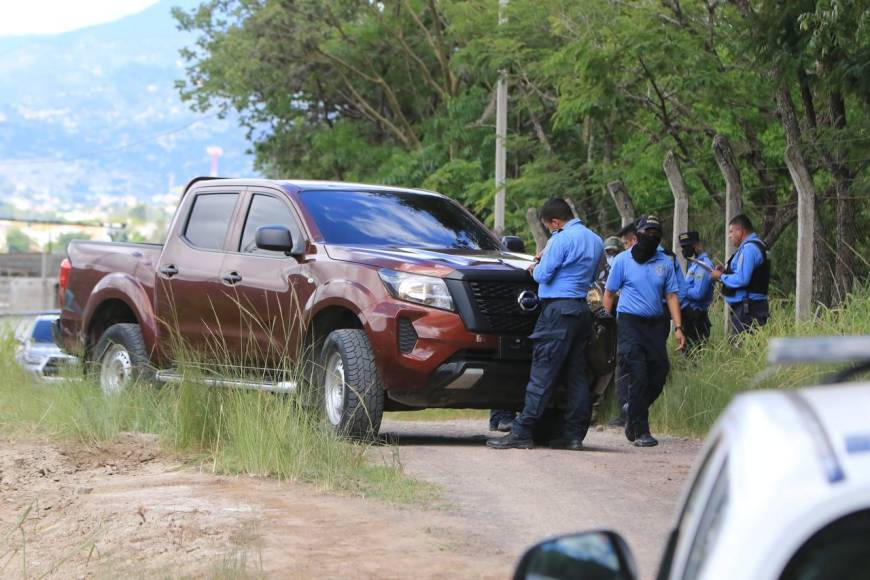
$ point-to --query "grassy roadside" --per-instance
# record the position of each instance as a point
(702, 386)
(230, 430)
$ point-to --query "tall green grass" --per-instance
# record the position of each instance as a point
(701, 386)
(226, 430)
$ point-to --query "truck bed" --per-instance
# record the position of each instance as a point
(97, 265)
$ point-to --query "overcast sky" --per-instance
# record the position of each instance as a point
(53, 16)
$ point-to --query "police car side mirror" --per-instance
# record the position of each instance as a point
(600, 555)
(514, 244)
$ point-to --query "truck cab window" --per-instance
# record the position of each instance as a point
(266, 210)
(209, 220)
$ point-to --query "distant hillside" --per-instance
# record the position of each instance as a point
(95, 112)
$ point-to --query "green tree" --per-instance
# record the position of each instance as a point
(18, 241)
(401, 92)
(59, 245)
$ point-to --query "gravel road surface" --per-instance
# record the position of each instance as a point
(513, 498)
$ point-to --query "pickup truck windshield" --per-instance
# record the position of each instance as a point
(400, 219)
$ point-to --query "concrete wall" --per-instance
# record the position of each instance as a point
(25, 294)
(30, 264)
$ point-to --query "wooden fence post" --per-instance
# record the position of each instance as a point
(538, 230)
(573, 207)
(733, 194)
(806, 219)
(623, 202)
(681, 203)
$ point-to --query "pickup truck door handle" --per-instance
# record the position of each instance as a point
(169, 270)
(232, 278)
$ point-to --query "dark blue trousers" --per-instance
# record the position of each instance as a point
(560, 338)
(643, 358)
(743, 315)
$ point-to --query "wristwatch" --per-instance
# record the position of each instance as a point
(676, 328)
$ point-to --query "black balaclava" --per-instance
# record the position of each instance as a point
(646, 246)
(688, 252)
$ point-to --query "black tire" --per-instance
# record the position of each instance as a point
(356, 411)
(116, 343)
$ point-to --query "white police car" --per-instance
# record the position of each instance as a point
(781, 490)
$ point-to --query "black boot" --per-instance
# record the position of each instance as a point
(510, 441)
(567, 443)
(645, 440)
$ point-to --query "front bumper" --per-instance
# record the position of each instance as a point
(470, 384)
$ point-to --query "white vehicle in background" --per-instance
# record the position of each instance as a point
(781, 490)
(36, 350)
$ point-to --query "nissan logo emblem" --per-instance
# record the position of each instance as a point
(528, 301)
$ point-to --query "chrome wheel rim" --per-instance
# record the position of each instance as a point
(116, 368)
(334, 388)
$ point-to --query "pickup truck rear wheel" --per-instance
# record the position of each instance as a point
(350, 385)
(120, 358)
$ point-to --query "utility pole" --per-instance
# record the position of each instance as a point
(500, 135)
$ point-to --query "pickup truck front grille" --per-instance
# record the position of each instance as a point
(496, 301)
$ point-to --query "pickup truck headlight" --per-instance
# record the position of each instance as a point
(425, 290)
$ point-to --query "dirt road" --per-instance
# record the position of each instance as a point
(127, 508)
(517, 497)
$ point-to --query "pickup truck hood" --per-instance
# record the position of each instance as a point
(430, 262)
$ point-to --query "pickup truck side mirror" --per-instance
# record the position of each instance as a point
(275, 238)
(600, 555)
(514, 244)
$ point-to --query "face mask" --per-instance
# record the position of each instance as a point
(646, 247)
(609, 259)
(688, 252)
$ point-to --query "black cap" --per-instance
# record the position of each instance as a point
(689, 238)
(648, 222)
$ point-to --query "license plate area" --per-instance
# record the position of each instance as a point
(514, 348)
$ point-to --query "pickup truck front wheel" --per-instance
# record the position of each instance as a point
(350, 384)
(120, 358)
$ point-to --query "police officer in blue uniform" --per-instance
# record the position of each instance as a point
(699, 289)
(644, 277)
(564, 328)
(746, 279)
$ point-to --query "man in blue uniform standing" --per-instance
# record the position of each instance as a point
(699, 289)
(746, 279)
(644, 277)
(563, 330)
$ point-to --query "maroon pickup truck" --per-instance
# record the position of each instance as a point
(401, 298)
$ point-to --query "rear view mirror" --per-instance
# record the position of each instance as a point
(514, 244)
(587, 556)
(274, 238)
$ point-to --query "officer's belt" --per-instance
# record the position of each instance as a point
(642, 319)
(548, 300)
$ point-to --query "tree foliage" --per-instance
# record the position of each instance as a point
(401, 92)
(18, 241)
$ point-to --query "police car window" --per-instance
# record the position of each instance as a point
(709, 525)
(266, 210)
(839, 550)
(210, 219)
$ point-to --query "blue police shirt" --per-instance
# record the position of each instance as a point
(681, 279)
(569, 262)
(747, 258)
(642, 285)
(699, 284)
